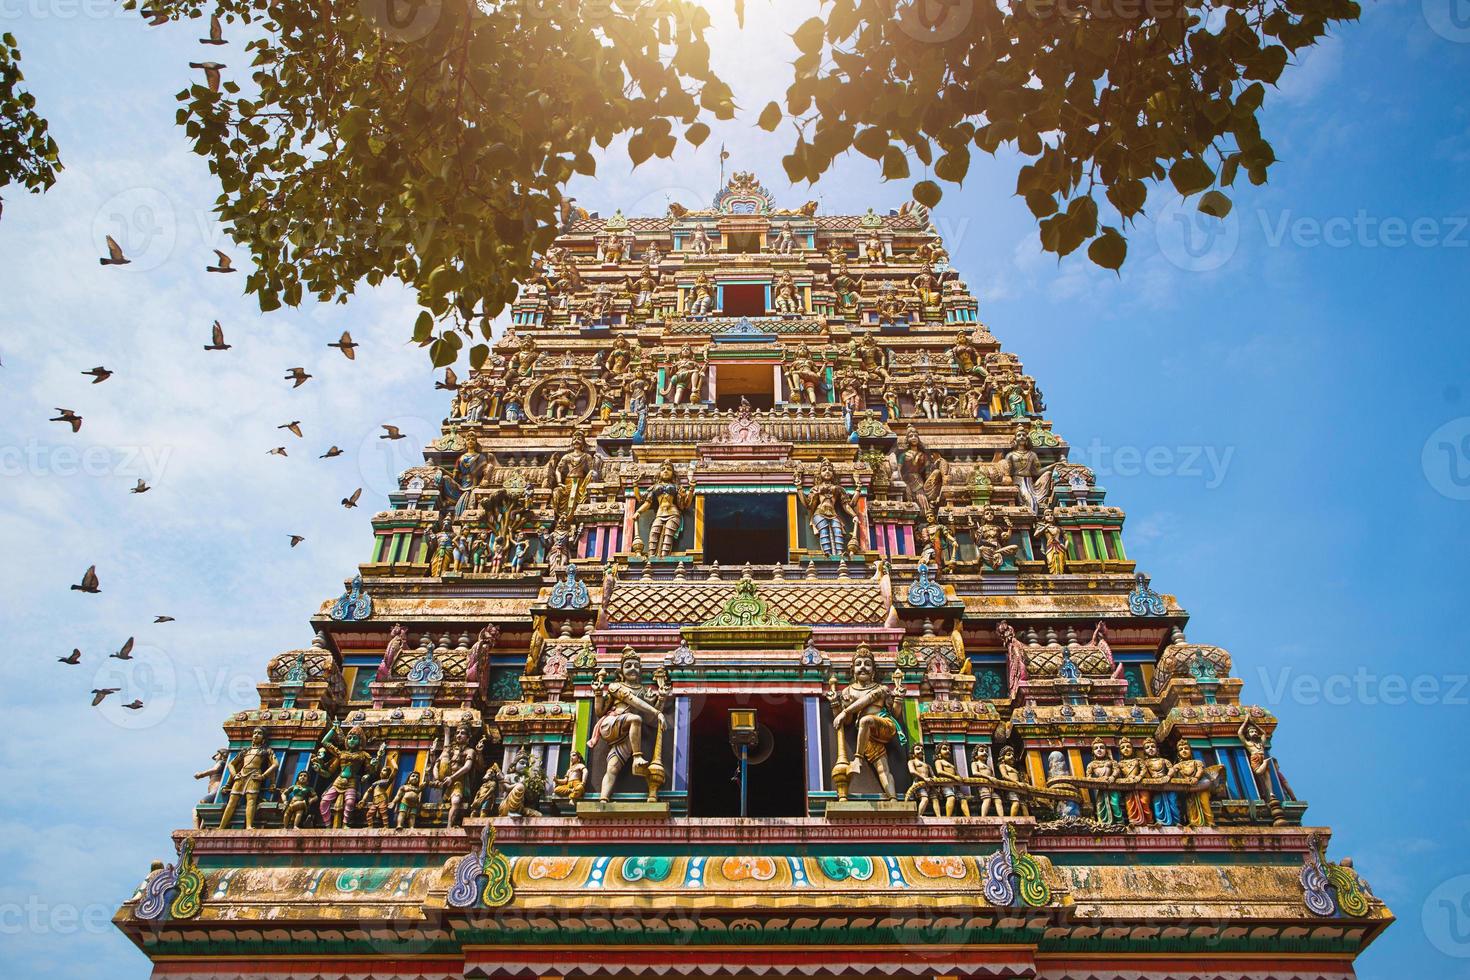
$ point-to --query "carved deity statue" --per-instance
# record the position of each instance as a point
(965, 356)
(574, 784)
(642, 289)
(927, 286)
(701, 296)
(991, 532)
(830, 510)
(465, 475)
(872, 710)
(785, 298)
(1196, 802)
(682, 383)
(700, 241)
(804, 376)
(668, 500)
(346, 765)
(1107, 804)
(929, 396)
(981, 768)
(923, 472)
(890, 306)
(785, 240)
(1157, 769)
(937, 539)
(455, 765)
(873, 250)
(1032, 480)
(251, 773)
(848, 289)
(570, 474)
(623, 707)
(1053, 541)
(1137, 802)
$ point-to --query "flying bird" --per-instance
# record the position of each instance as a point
(134, 704)
(141, 487)
(293, 427)
(99, 374)
(278, 451)
(217, 338)
(126, 653)
(334, 451)
(115, 254)
(450, 382)
(89, 581)
(211, 72)
(392, 433)
(296, 539)
(351, 502)
(345, 345)
(216, 32)
(98, 693)
(224, 264)
(70, 418)
(298, 375)
(163, 619)
(74, 659)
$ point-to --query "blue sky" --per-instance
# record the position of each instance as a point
(1283, 408)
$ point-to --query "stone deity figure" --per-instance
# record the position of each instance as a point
(700, 241)
(922, 777)
(804, 376)
(989, 799)
(668, 500)
(923, 472)
(965, 356)
(346, 764)
(522, 363)
(869, 356)
(873, 250)
(623, 707)
(701, 296)
(682, 384)
(890, 306)
(1107, 804)
(574, 784)
(991, 532)
(455, 766)
(937, 539)
(784, 298)
(375, 810)
(561, 396)
(944, 770)
(1010, 771)
(1157, 769)
(891, 403)
(929, 397)
(831, 512)
(785, 240)
(298, 799)
(406, 802)
(1258, 755)
(466, 474)
(927, 286)
(487, 796)
(479, 655)
(1056, 768)
(1032, 480)
(215, 774)
(570, 474)
(871, 709)
(1196, 802)
(442, 542)
(1139, 805)
(251, 773)
(1053, 542)
(397, 640)
(619, 357)
(849, 290)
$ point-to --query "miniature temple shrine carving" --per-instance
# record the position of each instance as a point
(746, 616)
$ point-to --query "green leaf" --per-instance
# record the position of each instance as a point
(1108, 249)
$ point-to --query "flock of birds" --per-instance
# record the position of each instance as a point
(298, 376)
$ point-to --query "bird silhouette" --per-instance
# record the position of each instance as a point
(73, 660)
(163, 619)
(392, 433)
(298, 375)
(330, 453)
(450, 382)
(134, 704)
(141, 487)
(293, 427)
(296, 539)
(346, 345)
(224, 264)
(98, 693)
(115, 254)
(351, 501)
(126, 653)
(217, 338)
(216, 32)
(99, 374)
(211, 72)
(69, 417)
(278, 451)
(89, 581)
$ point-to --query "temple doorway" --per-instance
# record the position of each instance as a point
(743, 299)
(740, 528)
(755, 383)
(775, 785)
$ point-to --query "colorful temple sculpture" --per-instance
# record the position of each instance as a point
(748, 618)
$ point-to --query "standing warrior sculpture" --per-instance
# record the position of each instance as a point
(804, 377)
(826, 504)
(669, 501)
(570, 474)
(786, 299)
(682, 384)
(1033, 481)
(346, 765)
(873, 710)
(623, 707)
(702, 296)
(454, 768)
(250, 773)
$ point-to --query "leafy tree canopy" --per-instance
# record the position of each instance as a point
(430, 140)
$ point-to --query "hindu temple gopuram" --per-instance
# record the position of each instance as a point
(747, 618)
